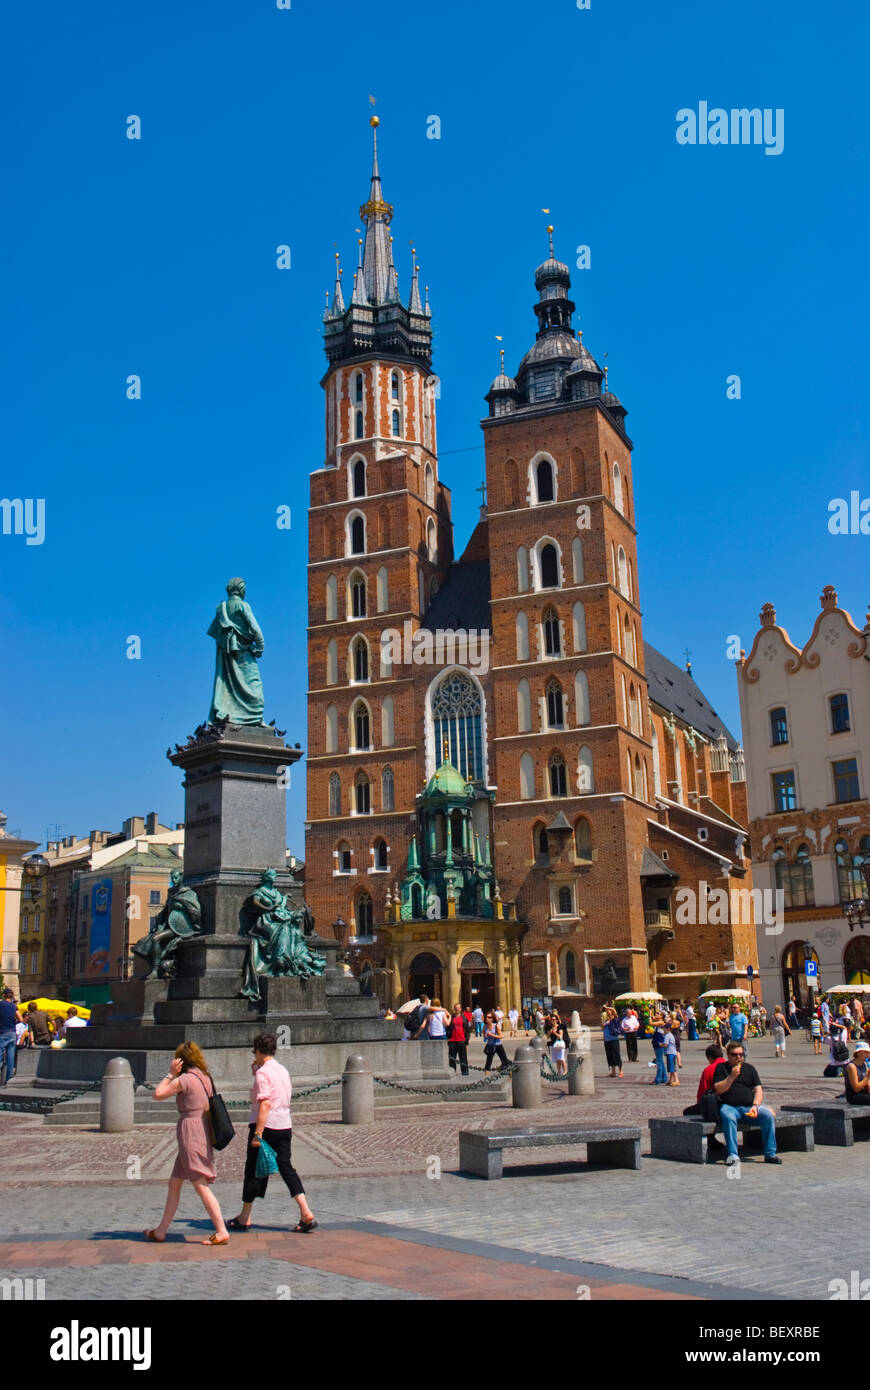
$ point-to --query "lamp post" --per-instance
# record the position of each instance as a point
(809, 954)
(856, 912)
(338, 928)
(34, 868)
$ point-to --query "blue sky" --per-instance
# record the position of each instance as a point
(157, 257)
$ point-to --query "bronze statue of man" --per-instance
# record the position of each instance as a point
(238, 689)
(276, 938)
(179, 918)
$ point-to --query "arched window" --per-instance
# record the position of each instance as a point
(849, 877)
(362, 794)
(527, 777)
(383, 590)
(795, 879)
(364, 915)
(396, 426)
(579, 627)
(558, 775)
(386, 655)
(540, 843)
(583, 839)
(361, 727)
(617, 488)
(585, 777)
(778, 725)
(343, 857)
(568, 971)
(555, 705)
(334, 794)
(431, 540)
(457, 716)
(357, 534)
(380, 855)
(622, 573)
(331, 729)
(552, 634)
(332, 662)
(657, 767)
(359, 655)
(522, 569)
(549, 562)
(628, 642)
(359, 432)
(524, 707)
(394, 386)
(624, 699)
(581, 699)
(637, 784)
(566, 901)
(522, 626)
(577, 556)
(840, 723)
(357, 595)
(544, 480)
(387, 729)
(331, 598)
(359, 478)
(634, 710)
(429, 486)
(358, 388)
(856, 961)
(387, 790)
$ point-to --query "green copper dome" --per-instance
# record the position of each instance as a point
(446, 782)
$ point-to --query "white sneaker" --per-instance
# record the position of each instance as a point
(731, 1160)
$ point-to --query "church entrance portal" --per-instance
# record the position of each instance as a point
(425, 977)
(477, 982)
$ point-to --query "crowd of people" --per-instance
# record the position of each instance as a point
(428, 1018)
(32, 1028)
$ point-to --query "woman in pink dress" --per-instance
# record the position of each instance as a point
(189, 1081)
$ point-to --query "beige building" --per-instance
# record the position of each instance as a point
(12, 853)
(805, 713)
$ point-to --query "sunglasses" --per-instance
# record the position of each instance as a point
(738, 1054)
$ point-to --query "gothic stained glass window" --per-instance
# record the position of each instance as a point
(457, 716)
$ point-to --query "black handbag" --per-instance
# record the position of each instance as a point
(710, 1107)
(222, 1130)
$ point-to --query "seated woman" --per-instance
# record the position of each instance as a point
(856, 1075)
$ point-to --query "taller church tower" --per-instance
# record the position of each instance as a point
(572, 752)
(380, 542)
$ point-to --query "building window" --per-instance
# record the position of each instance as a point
(358, 388)
(566, 901)
(383, 590)
(524, 707)
(839, 714)
(579, 625)
(396, 427)
(558, 775)
(622, 574)
(581, 698)
(541, 844)
(358, 536)
(585, 777)
(37, 921)
(457, 717)
(358, 596)
(617, 488)
(331, 598)
(331, 729)
(583, 839)
(795, 880)
(334, 794)
(387, 723)
(522, 632)
(555, 705)
(527, 777)
(84, 903)
(549, 561)
(362, 790)
(856, 961)
(361, 728)
(778, 726)
(344, 857)
(850, 880)
(360, 657)
(154, 897)
(784, 791)
(332, 662)
(394, 386)
(381, 854)
(387, 790)
(358, 421)
(569, 971)
(431, 540)
(552, 635)
(364, 915)
(34, 963)
(846, 780)
(359, 478)
(544, 477)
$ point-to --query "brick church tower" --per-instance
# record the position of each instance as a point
(380, 541)
(572, 751)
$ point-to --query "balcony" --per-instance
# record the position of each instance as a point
(659, 921)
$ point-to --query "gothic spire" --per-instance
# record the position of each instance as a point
(377, 216)
(415, 304)
(337, 296)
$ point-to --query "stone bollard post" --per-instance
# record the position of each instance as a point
(537, 1043)
(574, 1026)
(357, 1092)
(582, 1083)
(526, 1078)
(117, 1105)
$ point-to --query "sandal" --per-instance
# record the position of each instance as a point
(305, 1226)
(234, 1224)
(215, 1239)
(158, 1240)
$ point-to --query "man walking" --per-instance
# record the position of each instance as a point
(478, 1022)
(738, 1086)
(739, 1026)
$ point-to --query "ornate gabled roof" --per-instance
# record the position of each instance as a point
(773, 643)
(447, 781)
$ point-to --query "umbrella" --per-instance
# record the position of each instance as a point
(848, 989)
(57, 1008)
(648, 994)
(725, 993)
(409, 1007)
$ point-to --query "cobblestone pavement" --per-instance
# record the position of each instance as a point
(75, 1202)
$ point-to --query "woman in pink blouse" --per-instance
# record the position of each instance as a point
(270, 1120)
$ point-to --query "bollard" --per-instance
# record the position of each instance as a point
(526, 1078)
(357, 1092)
(116, 1097)
(574, 1026)
(537, 1043)
(582, 1082)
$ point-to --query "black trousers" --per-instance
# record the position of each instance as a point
(496, 1052)
(279, 1140)
(460, 1050)
(631, 1046)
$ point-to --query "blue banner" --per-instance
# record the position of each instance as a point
(100, 941)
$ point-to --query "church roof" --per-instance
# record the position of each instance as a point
(653, 867)
(463, 599)
(674, 689)
(446, 781)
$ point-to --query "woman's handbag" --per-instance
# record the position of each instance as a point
(222, 1130)
(710, 1107)
(267, 1162)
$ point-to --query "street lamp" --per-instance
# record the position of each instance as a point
(34, 868)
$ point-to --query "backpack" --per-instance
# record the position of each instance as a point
(415, 1019)
(839, 1051)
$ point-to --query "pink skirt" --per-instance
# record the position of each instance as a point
(195, 1158)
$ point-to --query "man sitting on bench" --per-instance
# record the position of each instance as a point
(738, 1086)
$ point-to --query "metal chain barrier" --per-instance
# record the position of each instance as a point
(550, 1074)
(32, 1105)
(449, 1089)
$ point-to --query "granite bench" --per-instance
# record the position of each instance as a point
(834, 1120)
(480, 1151)
(686, 1137)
